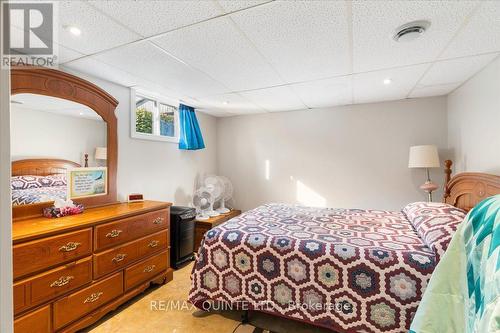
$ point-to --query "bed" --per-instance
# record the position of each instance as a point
(36, 181)
(348, 270)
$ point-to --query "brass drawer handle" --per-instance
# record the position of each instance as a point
(94, 297)
(158, 220)
(154, 243)
(62, 281)
(71, 246)
(149, 269)
(114, 233)
(119, 257)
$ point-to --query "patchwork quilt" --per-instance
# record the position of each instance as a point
(463, 293)
(349, 270)
(41, 194)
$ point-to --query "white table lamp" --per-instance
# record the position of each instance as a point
(101, 153)
(425, 157)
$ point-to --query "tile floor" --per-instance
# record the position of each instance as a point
(140, 315)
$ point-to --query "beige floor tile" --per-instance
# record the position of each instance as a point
(139, 316)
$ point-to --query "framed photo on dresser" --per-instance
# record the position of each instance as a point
(87, 182)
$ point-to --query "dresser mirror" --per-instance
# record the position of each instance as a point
(56, 131)
(58, 122)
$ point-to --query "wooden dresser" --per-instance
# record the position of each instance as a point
(71, 271)
(203, 226)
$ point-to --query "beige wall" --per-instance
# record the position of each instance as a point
(159, 170)
(352, 156)
(43, 134)
(474, 122)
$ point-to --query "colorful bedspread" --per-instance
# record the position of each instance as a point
(463, 294)
(348, 270)
(41, 194)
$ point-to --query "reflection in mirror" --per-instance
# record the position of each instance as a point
(57, 132)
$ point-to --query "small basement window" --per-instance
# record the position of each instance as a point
(154, 118)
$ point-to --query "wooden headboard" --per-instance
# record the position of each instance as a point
(42, 167)
(467, 189)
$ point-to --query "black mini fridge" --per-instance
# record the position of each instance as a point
(182, 223)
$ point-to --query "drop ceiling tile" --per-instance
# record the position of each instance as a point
(215, 113)
(96, 68)
(369, 87)
(304, 40)
(62, 53)
(99, 69)
(232, 103)
(65, 54)
(217, 48)
(455, 70)
(99, 32)
(480, 35)
(275, 99)
(437, 90)
(235, 5)
(324, 93)
(149, 18)
(146, 61)
(375, 22)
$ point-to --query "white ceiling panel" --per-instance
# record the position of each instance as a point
(147, 61)
(375, 22)
(98, 31)
(151, 17)
(304, 40)
(217, 48)
(62, 53)
(480, 35)
(370, 87)
(231, 103)
(90, 65)
(261, 55)
(328, 92)
(108, 72)
(455, 70)
(437, 90)
(65, 54)
(235, 5)
(275, 99)
(215, 113)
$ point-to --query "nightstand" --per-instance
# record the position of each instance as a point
(203, 226)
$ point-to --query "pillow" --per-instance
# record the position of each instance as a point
(55, 180)
(26, 182)
(435, 223)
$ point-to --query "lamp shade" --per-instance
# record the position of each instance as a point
(101, 153)
(424, 157)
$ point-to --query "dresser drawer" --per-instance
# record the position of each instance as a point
(122, 255)
(51, 251)
(121, 231)
(60, 280)
(37, 321)
(146, 269)
(21, 294)
(86, 300)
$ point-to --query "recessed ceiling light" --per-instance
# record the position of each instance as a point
(225, 102)
(410, 31)
(73, 30)
(387, 81)
(81, 113)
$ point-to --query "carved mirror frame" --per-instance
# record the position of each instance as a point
(55, 83)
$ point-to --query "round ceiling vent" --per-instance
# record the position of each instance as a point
(410, 31)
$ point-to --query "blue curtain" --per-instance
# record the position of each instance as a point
(190, 135)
